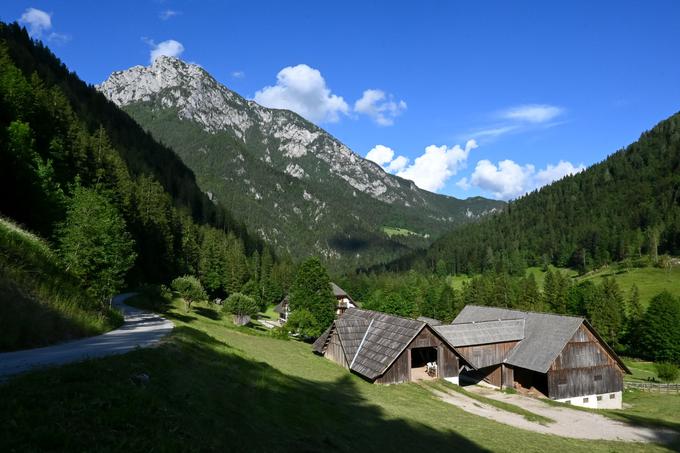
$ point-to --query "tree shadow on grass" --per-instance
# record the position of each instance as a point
(207, 312)
(201, 395)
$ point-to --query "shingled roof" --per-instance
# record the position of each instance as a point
(545, 334)
(372, 341)
(482, 332)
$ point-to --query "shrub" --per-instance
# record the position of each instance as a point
(667, 372)
(303, 323)
(242, 307)
(280, 333)
(189, 289)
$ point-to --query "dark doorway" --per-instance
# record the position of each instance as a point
(531, 382)
(424, 364)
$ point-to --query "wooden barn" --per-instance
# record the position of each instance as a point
(561, 357)
(388, 349)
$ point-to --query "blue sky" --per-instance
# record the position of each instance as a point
(540, 88)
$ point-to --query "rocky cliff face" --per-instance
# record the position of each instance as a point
(248, 156)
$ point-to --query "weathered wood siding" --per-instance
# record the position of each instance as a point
(584, 367)
(491, 375)
(484, 355)
(334, 350)
(448, 362)
(400, 370)
(507, 376)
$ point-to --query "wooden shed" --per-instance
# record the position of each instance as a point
(388, 349)
(562, 357)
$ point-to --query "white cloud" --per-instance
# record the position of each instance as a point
(493, 131)
(379, 106)
(238, 74)
(397, 164)
(36, 21)
(169, 48)
(554, 172)
(380, 154)
(168, 14)
(432, 169)
(384, 156)
(58, 38)
(532, 113)
(303, 90)
(509, 180)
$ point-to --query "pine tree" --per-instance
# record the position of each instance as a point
(95, 244)
(311, 292)
(606, 311)
(659, 333)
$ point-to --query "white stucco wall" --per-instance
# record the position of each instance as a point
(453, 380)
(606, 401)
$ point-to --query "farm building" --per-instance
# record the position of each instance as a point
(344, 302)
(562, 357)
(388, 349)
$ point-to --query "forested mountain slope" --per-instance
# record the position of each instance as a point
(292, 182)
(57, 133)
(621, 208)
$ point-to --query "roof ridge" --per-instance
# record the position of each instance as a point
(385, 314)
(525, 311)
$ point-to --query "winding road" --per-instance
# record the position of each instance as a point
(140, 329)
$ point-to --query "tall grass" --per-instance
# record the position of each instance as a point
(40, 302)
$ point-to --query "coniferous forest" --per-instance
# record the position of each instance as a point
(623, 208)
(120, 209)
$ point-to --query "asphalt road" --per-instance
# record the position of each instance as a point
(141, 329)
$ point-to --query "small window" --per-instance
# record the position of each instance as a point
(612, 396)
(598, 377)
(599, 397)
(585, 400)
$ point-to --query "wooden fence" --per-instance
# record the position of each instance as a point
(653, 387)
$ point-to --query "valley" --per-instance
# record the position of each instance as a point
(192, 258)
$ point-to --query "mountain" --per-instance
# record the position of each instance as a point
(625, 208)
(57, 133)
(292, 182)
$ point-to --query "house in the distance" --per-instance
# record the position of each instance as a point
(388, 349)
(344, 302)
(561, 357)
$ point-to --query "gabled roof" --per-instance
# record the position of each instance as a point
(482, 332)
(372, 341)
(281, 306)
(386, 339)
(430, 321)
(545, 334)
(339, 292)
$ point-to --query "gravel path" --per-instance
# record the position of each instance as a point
(141, 329)
(568, 422)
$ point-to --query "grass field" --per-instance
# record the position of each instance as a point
(643, 371)
(215, 387)
(394, 231)
(41, 302)
(649, 280)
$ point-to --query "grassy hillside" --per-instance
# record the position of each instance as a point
(41, 302)
(649, 280)
(215, 387)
